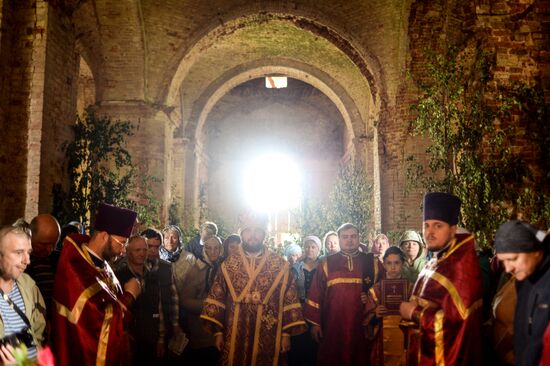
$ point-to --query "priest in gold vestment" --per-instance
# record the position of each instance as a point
(252, 307)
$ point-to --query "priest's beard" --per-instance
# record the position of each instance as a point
(109, 252)
(253, 247)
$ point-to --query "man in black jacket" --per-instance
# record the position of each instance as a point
(524, 252)
(196, 245)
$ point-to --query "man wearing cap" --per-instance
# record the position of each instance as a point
(524, 252)
(90, 305)
(252, 307)
(446, 306)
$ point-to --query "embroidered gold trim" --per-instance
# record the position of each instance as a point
(233, 338)
(84, 253)
(214, 302)
(215, 321)
(293, 324)
(256, 344)
(275, 283)
(292, 306)
(74, 314)
(455, 296)
(337, 281)
(373, 295)
(439, 340)
(455, 246)
(104, 336)
(313, 304)
(278, 336)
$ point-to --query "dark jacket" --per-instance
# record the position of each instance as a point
(532, 314)
(195, 247)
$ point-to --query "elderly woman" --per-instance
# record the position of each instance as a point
(303, 349)
(306, 268)
(293, 253)
(201, 349)
(412, 245)
(171, 247)
(524, 251)
(172, 251)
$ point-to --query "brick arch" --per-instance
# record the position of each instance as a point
(308, 20)
(306, 73)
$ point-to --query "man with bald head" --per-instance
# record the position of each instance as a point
(45, 234)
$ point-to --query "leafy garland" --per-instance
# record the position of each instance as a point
(473, 144)
(350, 200)
(100, 169)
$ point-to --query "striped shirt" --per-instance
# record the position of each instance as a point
(12, 321)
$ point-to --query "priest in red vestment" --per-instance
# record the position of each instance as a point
(252, 307)
(334, 307)
(446, 305)
(89, 304)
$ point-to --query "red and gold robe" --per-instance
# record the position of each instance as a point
(449, 316)
(387, 337)
(334, 304)
(89, 310)
(253, 302)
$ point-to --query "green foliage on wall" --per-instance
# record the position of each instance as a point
(350, 200)
(472, 149)
(100, 169)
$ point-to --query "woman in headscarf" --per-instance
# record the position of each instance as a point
(524, 251)
(303, 348)
(172, 246)
(412, 245)
(293, 253)
(201, 349)
(172, 251)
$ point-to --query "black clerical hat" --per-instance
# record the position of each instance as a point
(115, 220)
(441, 206)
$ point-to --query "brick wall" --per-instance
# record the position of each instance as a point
(18, 32)
(59, 106)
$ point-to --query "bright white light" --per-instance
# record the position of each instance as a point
(272, 183)
(275, 82)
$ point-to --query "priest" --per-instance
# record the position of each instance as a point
(90, 307)
(445, 308)
(252, 307)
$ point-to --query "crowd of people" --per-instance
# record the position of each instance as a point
(124, 296)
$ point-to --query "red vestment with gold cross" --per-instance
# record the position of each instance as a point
(253, 302)
(89, 308)
(448, 319)
(334, 304)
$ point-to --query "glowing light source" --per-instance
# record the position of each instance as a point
(275, 82)
(272, 183)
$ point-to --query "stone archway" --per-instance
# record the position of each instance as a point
(347, 82)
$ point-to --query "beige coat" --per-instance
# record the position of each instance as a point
(191, 299)
(35, 308)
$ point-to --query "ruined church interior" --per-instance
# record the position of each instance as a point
(211, 86)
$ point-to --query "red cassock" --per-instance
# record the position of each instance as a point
(449, 315)
(334, 304)
(89, 310)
